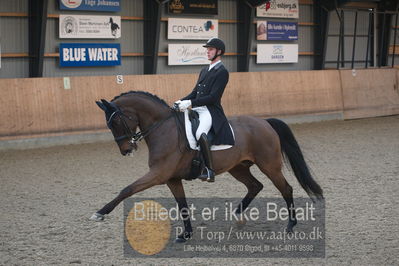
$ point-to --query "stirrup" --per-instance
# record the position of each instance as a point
(209, 176)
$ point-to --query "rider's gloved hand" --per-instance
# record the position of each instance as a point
(176, 105)
(184, 105)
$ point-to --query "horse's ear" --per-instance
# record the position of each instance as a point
(107, 104)
(102, 106)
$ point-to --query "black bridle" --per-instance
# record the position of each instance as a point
(128, 131)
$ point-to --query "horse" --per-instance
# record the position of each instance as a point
(114, 27)
(261, 142)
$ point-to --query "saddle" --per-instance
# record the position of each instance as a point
(193, 116)
(198, 162)
(191, 123)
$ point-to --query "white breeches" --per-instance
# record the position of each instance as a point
(205, 119)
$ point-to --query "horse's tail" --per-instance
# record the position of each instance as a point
(291, 149)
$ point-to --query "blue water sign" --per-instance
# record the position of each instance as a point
(90, 54)
(91, 5)
(282, 31)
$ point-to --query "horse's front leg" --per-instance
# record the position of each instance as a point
(176, 186)
(151, 179)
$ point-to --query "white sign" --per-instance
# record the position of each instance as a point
(89, 27)
(277, 53)
(187, 54)
(192, 29)
(279, 9)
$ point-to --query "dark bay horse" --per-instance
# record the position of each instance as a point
(257, 141)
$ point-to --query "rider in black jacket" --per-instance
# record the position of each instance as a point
(206, 100)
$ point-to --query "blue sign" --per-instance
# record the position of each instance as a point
(90, 54)
(91, 5)
(282, 31)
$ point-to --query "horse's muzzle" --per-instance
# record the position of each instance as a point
(131, 146)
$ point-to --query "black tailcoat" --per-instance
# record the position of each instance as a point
(208, 92)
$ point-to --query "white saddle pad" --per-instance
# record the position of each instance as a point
(192, 141)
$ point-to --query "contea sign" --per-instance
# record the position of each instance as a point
(89, 54)
(192, 29)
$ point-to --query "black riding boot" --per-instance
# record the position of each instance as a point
(207, 174)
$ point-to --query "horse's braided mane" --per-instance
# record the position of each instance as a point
(144, 93)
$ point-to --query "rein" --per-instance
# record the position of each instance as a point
(130, 135)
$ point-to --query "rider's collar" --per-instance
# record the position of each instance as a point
(214, 64)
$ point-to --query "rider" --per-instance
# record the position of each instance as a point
(205, 99)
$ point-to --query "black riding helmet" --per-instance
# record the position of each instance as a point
(216, 43)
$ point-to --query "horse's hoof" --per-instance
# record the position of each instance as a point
(183, 237)
(97, 217)
(180, 240)
(241, 222)
(290, 226)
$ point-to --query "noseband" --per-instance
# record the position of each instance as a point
(128, 132)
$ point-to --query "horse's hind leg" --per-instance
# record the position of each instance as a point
(242, 173)
(279, 181)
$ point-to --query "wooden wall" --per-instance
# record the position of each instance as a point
(283, 93)
(369, 93)
(41, 106)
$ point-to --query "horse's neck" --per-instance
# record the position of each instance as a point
(148, 111)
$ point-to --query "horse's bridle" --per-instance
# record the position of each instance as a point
(134, 137)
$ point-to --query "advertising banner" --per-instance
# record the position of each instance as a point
(89, 27)
(90, 54)
(277, 53)
(201, 7)
(192, 29)
(91, 5)
(152, 225)
(277, 31)
(187, 54)
(279, 9)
